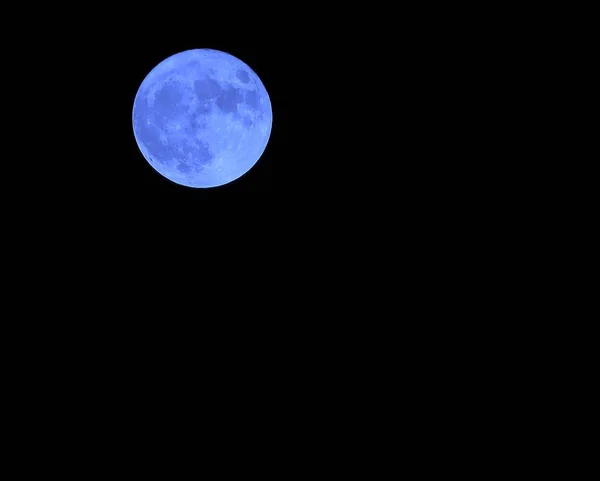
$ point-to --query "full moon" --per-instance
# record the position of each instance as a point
(202, 118)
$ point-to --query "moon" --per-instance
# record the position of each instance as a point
(202, 118)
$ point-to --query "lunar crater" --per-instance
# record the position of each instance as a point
(243, 76)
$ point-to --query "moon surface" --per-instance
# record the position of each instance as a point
(202, 118)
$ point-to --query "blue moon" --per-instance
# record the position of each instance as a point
(202, 118)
